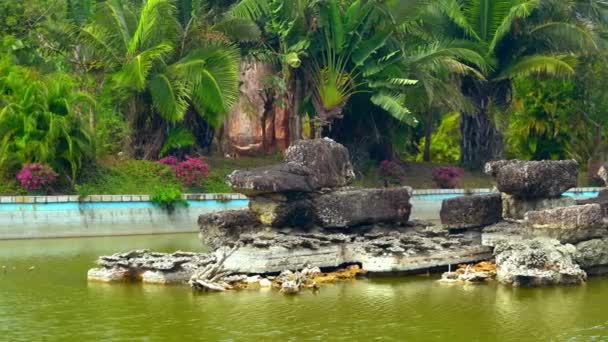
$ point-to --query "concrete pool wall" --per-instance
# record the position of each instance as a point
(23, 217)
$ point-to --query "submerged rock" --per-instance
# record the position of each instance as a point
(328, 160)
(537, 262)
(569, 224)
(471, 211)
(516, 208)
(533, 179)
(349, 208)
(592, 256)
(149, 267)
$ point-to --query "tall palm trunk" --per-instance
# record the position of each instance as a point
(481, 140)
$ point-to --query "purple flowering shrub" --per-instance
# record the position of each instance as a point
(392, 172)
(447, 177)
(36, 176)
(169, 160)
(190, 171)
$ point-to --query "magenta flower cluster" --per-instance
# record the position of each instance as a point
(36, 176)
(392, 172)
(190, 171)
(446, 177)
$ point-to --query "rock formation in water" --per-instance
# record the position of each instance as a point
(533, 185)
(303, 214)
(533, 246)
(537, 262)
(306, 213)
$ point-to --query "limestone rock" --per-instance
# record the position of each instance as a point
(533, 179)
(516, 208)
(379, 250)
(471, 211)
(592, 256)
(537, 262)
(601, 199)
(280, 178)
(348, 208)
(282, 213)
(328, 160)
(222, 227)
(146, 266)
(568, 224)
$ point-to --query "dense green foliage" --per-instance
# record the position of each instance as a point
(86, 82)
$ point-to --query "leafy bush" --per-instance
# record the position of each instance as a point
(446, 177)
(445, 142)
(37, 176)
(392, 172)
(42, 121)
(168, 198)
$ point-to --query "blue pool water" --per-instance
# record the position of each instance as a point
(441, 197)
(114, 205)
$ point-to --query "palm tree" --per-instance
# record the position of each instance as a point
(520, 38)
(160, 69)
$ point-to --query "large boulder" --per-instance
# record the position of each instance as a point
(568, 224)
(516, 208)
(328, 160)
(280, 178)
(279, 211)
(533, 179)
(537, 262)
(471, 211)
(225, 227)
(592, 256)
(348, 208)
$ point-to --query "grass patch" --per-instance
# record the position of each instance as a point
(418, 176)
(139, 177)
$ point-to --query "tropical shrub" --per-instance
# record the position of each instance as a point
(190, 171)
(37, 176)
(445, 146)
(168, 198)
(447, 177)
(42, 121)
(392, 172)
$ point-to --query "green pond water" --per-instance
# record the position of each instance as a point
(54, 302)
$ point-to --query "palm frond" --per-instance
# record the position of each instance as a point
(394, 104)
(539, 64)
(519, 11)
(169, 98)
(250, 9)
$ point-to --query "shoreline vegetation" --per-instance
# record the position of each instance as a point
(114, 176)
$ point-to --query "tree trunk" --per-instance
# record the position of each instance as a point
(481, 141)
(428, 134)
